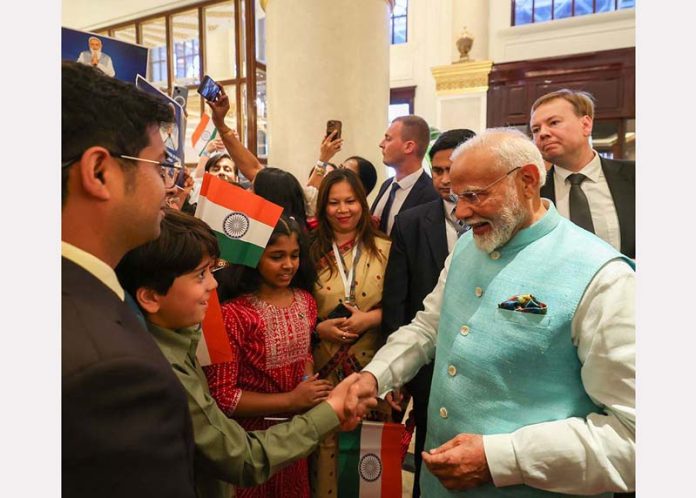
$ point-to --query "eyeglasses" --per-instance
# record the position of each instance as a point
(474, 196)
(168, 171)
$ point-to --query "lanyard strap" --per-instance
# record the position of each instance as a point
(348, 280)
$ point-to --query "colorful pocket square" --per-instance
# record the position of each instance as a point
(526, 303)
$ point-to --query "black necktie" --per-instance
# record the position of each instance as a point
(579, 207)
(383, 221)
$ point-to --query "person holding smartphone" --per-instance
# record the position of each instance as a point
(350, 255)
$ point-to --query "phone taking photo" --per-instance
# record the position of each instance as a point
(334, 124)
(209, 89)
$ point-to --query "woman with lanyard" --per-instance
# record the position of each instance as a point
(351, 258)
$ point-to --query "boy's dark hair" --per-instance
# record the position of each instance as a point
(183, 243)
(237, 280)
(450, 140)
(100, 110)
(366, 172)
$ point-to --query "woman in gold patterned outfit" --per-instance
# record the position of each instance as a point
(351, 258)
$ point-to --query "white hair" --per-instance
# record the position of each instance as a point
(511, 148)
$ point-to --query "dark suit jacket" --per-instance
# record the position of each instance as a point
(126, 429)
(416, 258)
(422, 192)
(621, 178)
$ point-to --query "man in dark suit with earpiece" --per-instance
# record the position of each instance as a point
(403, 148)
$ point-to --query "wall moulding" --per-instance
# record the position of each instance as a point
(463, 77)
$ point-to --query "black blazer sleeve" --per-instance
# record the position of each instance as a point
(395, 295)
(122, 409)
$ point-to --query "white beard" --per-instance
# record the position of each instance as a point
(503, 226)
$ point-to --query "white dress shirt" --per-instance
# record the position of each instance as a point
(574, 456)
(450, 224)
(90, 263)
(405, 186)
(604, 216)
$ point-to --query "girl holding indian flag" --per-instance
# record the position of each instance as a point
(269, 320)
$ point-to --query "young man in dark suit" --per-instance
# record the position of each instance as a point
(403, 148)
(422, 238)
(596, 193)
(126, 430)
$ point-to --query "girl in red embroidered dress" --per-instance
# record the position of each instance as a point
(269, 321)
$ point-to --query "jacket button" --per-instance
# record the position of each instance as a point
(464, 330)
(478, 292)
(452, 370)
(495, 255)
(443, 412)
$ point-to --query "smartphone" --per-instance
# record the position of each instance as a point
(340, 311)
(181, 178)
(180, 95)
(209, 89)
(331, 125)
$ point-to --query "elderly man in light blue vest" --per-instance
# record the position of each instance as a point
(532, 329)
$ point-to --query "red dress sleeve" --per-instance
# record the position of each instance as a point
(311, 314)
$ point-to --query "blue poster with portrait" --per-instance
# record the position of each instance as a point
(116, 58)
(174, 134)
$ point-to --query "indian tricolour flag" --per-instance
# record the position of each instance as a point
(242, 221)
(369, 461)
(204, 133)
(214, 346)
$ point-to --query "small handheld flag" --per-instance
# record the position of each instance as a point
(369, 461)
(214, 346)
(203, 134)
(242, 221)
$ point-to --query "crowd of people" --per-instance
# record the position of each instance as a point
(495, 293)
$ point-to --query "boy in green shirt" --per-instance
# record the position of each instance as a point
(170, 279)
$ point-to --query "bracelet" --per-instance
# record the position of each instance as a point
(320, 168)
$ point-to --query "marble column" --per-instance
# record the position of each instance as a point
(326, 60)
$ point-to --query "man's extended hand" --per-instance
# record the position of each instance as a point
(362, 394)
(348, 404)
(460, 463)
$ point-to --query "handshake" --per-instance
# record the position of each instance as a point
(352, 398)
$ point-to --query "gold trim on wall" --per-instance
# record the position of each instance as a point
(462, 77)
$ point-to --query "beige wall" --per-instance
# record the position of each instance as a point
(574, 35)
(91, 14)
(434, 26)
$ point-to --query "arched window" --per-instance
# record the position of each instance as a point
(531, 11)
